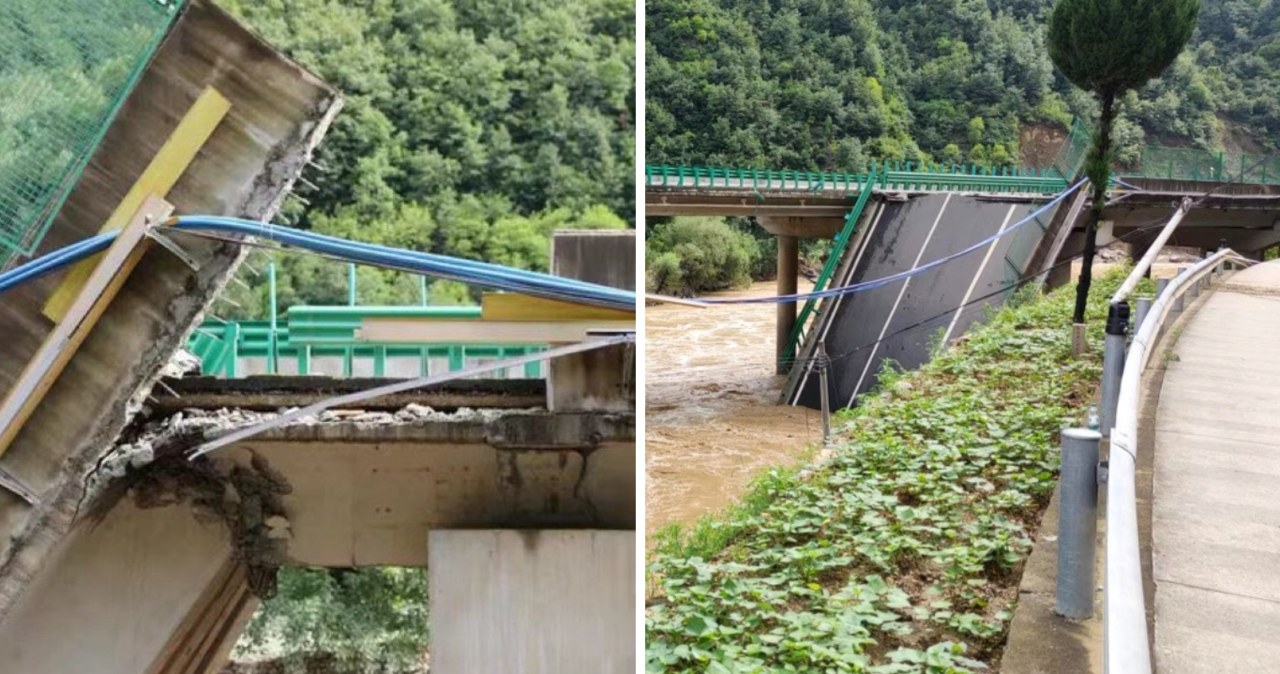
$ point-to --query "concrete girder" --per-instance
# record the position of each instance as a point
(279, 113)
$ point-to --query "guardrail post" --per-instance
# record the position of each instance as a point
(1193, 289)
(1077, 523)
(1178, 303)
(1113, 363)
(1143, 308)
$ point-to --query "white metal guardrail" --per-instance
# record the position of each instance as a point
(1125, 640)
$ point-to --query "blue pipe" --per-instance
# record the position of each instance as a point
(467, 271)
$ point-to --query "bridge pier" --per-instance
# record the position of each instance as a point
(789, 231)
(788, 284)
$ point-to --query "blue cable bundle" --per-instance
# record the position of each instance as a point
(429, 264)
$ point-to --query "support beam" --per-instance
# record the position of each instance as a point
(160, 176)
(432, 331)
(101, 286)
(788, 283)
(203, 643)
(518, 307)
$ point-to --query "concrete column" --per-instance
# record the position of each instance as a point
(602, 380)
(532, 601)
(788, 271)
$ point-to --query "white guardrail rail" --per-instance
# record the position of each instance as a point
(1126, 648)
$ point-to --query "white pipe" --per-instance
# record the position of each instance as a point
(1147, 260)
(412, 384)
(1125, 645)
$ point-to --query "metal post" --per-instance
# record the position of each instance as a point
(1178, 303)
(1193, 289)
(271, 299)
(788, 263)
(1077, 523)
(823, 363)
(1144, 306)
(1113, 363)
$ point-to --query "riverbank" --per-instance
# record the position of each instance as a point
(712, 421)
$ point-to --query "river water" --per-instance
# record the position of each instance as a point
(712, 421)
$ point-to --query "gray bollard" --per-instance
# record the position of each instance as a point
(1193, 290)
(1113, 364)
(1140, 315)
(1077, 523)
(1161, 285)
(1177, 304)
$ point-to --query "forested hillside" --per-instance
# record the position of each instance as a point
(828, 85)
(470, 128)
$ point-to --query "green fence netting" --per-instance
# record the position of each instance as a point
(66, 66)
(1183, 163)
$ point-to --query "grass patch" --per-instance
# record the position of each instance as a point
(902, 551)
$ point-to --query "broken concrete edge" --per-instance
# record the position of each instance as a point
(166, 440)
(273, 392)
(47, 523)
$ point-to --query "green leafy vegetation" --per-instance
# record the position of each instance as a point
(342, 622)
(690, 255)
(812, 85)
(470, 129)
(900, 550)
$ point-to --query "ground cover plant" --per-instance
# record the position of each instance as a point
(901, 548)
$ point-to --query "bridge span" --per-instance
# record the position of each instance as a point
(895, 217)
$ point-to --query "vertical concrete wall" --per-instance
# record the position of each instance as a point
(532, 602)
(601, 380)
(114, 594)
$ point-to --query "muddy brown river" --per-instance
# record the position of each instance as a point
(712, 421)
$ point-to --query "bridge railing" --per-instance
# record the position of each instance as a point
(1125, 643)
(322, 340)
(1181, 163)
(890, 175)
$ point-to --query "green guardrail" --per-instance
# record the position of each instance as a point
(1154, 162)
(66, 68)
(890, 175)
(829, 269)
(306, 333)
(224, 347)
(1178, 163)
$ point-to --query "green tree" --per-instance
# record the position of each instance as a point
(1108, 47)
(688, 256)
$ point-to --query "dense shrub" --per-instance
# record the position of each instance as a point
(688, 256)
